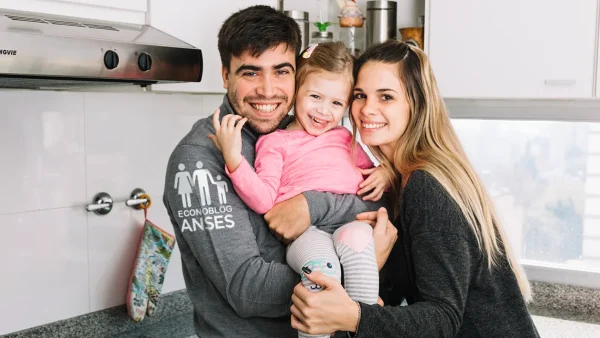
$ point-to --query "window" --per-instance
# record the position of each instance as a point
(544, 177)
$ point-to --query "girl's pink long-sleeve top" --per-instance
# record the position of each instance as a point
(291, 162)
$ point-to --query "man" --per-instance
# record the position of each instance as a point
(234, 267)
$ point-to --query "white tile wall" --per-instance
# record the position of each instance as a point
(59, 149)
(45, 268)
(42, 147)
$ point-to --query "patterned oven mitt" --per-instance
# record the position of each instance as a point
(154, 253)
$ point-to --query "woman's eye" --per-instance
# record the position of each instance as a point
(386, 97)
(359, 96)
(315, 96)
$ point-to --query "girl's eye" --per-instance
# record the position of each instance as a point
(315, 96)
(329, 265)
(338, 103)
(359, 96)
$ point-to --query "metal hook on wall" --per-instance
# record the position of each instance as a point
(103, 203)
(139, 199)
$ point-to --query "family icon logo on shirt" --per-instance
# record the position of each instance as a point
(199, 181)
(185, 182)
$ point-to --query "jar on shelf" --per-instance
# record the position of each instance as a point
(351, 28)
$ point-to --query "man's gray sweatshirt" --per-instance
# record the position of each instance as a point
(233, 267)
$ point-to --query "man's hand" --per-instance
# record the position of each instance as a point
(228, 138)
(289, 219)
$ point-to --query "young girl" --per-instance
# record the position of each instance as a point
(314, 153)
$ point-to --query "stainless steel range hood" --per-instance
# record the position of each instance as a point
(59, 52)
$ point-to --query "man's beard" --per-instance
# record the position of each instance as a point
(261, 126)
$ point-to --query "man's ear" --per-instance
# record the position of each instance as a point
(225, 74)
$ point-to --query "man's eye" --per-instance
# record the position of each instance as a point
(250, 74)
(283, 72)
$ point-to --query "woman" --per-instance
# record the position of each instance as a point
(451, 262)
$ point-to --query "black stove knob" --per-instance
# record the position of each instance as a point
(145, 62)
(111, 59)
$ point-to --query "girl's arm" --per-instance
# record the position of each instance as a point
(377, 180)
(363, 161)
(228, 138)
(259, 189)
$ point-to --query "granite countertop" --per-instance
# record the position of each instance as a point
(547, 327)
(558, 311)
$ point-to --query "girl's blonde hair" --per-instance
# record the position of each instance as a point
(429, 143)
(330, 57)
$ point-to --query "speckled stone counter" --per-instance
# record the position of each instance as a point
(558, 310)
(174, 319)
(566, 302)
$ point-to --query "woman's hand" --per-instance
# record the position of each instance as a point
(228, 138)
(323, 312)
(377, 182)
(384, 233)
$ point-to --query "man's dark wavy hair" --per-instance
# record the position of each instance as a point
(256, 29)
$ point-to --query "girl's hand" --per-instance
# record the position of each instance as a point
(228, 138)
(323, 312)
(377, 182)
(385, 233)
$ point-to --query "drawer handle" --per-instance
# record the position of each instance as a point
(560, 82)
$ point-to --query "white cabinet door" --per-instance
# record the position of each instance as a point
(197, 23)
(129, 11)
(513, 48)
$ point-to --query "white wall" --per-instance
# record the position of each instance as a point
(58, 150)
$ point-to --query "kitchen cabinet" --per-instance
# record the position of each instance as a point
(130, 11)
(197, 23)
(512, 48)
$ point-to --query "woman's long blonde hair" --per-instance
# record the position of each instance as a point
(430, 144)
